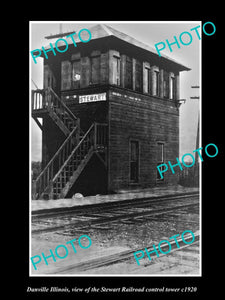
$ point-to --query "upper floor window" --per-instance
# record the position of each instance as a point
(146, 78)
(76, 71)
(147, 70)
(128, 73)
(172, 89)
(165, 84)
(80, 71)
(116, 70)
(138, 76)
(65, 75)
(157, 83)
(95, 70)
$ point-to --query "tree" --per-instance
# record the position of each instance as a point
(35, 169)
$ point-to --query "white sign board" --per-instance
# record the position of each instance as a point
(92, 98)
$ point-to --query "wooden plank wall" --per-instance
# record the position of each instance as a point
(146, 119)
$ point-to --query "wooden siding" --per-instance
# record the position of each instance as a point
(148, 120)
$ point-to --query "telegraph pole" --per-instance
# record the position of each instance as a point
(34, 84)
(197, 136)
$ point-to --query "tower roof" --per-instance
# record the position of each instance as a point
(99, 31)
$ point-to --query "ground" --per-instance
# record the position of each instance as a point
(114, 238)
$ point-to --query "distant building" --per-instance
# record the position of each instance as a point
(110, 116)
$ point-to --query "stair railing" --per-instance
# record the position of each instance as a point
(46, 176)
(77, 152)
(48, 99)
(54, 103)
(37, 99)
(95, 137)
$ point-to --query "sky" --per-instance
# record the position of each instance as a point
(149, 33)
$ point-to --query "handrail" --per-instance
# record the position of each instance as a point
(78, 145)
(72, 153)
(70, 156)
(48, 99)
(57, 153)
(37, 101)
(62, 103)
(45, 93)
(59, 157)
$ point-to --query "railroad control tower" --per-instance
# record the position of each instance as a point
(110, 115)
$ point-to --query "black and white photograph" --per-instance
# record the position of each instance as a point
(116, 148)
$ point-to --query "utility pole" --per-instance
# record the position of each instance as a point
(197, 136)
(34, 84)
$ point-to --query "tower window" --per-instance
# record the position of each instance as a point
(134, 161)
(160, 158)
(128, 73)
(157, 82)
(116, 70)
(95, 69)
(147, 71)
(172, 89)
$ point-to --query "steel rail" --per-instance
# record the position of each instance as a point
(108, 219)
(125, 255)
(46, 213)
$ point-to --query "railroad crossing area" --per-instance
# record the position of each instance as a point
(106, 230)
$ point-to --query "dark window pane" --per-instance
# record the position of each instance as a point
(157, 83)
(95, 70)
(138, 73)
(65, 75)
(116, 70)
(160, 158)
(166, 84)
(134, 171)
(173, 88)
(134, 161)
(76, 74)
(128, 75)
(148, 80)
(161, 168)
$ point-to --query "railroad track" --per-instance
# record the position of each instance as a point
(120, 257)
(137, 202)
(105, 213)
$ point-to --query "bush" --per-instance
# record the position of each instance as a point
(35, 169)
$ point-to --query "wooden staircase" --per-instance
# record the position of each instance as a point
(64, 168)
(47, 100)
